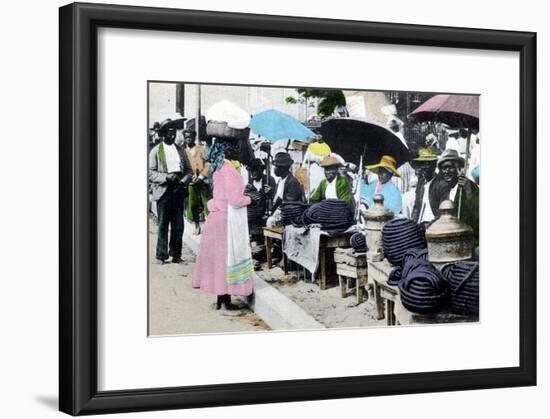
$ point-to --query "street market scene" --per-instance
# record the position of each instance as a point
(289, 208)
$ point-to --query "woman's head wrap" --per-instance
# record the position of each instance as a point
(216, 153)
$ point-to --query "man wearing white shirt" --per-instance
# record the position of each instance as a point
(169, 175)
(458, 141)
(424, 165)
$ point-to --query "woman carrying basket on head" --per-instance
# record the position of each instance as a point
(224, 262)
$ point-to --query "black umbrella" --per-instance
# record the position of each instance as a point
(353, 137)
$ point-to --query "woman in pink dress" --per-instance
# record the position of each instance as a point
(224, 262)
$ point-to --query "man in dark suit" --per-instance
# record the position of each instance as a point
(261, 188)
(288, 188)
(169, 175)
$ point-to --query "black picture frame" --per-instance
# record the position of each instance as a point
(78, 232)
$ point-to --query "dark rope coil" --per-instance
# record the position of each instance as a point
(400, 235)
(292, 211)
(256, 211)
(409, 257)
(332, 215)
(463, 280)
(358, 242)
(422, 288)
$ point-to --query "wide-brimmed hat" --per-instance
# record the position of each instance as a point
(450, 155)
(169, 123)
(388, 162)
(282, 159)
(164, 125)
(426, 154)
(329, 160)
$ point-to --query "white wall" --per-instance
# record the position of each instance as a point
(162, 99)
(28, 306)
(253, 99)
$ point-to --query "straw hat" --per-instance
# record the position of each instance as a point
(426, 154)
(330, 161)
(387, 162)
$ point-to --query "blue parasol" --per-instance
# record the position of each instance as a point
(276, 125)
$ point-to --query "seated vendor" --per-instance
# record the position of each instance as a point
(316, 151)
(334, 186)
(384, 170)
(288, 188)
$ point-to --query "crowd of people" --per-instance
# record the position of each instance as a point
(229, 201)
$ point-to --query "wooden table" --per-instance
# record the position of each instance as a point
(388, 303)
(405, 317)
(274, 233)
(326, 244)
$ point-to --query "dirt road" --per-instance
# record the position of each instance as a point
(176, 308)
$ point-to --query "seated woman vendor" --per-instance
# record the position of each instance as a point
(385, 170)
(334, 186)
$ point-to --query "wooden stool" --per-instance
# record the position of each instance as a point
(326, 244)
(384, 295)
(274, 233)
(351, 265)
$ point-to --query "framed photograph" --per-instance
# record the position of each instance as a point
(260, 209)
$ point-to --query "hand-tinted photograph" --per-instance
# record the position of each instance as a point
(290, 208)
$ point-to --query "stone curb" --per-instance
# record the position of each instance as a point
(273, 307)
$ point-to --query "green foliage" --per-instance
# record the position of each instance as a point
(329, 99)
